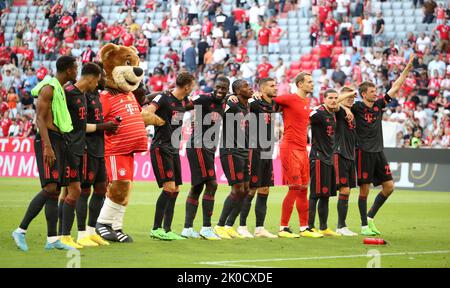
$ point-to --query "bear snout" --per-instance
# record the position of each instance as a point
(138, 71)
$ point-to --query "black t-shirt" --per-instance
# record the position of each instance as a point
(323, 127)
(206, 120)
(378, 25)
(234, 138)
(345, 136)
(369, 131)
(171, 110)
(263, 137)
(76, 103)
(95, 140)
(26, 101)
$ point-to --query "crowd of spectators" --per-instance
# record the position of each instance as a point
(351, 44)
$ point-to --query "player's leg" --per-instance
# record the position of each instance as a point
(62, 196)
(260, 213)
(311, 206)
(382, 175)
(345, 180)
(207, 208)
(95, 205)
(365, 172)
(191, 211)
(81, 208)
(245, 210)
(68, 211)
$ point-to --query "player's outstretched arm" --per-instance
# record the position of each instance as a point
(399, 82)
(149, 116)
(346, 95)
(44, 102)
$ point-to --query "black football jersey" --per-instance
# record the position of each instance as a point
(345, 136)
(95, 141)
(76, 103)
(323, 128)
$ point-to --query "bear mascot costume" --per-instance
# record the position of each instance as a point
(122, 77)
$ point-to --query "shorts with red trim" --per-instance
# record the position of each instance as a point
(201, 162)
(295, 166)
(372, 168)
(236, 167)
(166, 165)
(119, 167)
(345, 171)
(323, 180)
(57, 172)
(94, 170)
(261, 169)
(75, 165)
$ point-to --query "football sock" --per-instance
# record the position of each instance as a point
(362, 205)
(245, 210)
(312, 212)
(260, 209)
(60, 216)
(34, 208)
(228, 205)
(192, 205)
(168, 212)
(118, 220)
(322, 208)
(287, 207)
(379, 201)
(234, 212)
(342, 208)
(207, 208)
(68, 215)
(302, 206)
(81, 208)
(95, 205)
(51, 215)
(108, 212)
(160, 207)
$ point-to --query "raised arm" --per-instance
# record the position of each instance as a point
(399, 82)
(149, 116)
(346, 95)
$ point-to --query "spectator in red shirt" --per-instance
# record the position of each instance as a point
(66, 20)
(326, 49)
(6, 123)
(330, 27)
(324, 9)
(264, 68)
(69, 36)
(156, 82)
(184, 29)
(3, 106)
(444, 31)
(28, 55)
(274, 40)
(102, 27)
(142, 45)
(2, 36)
(41, 72)
(314, 31)
(116, 31)
(241, 53)
(88, 55)
(127, 38)
(50, 47)
(57, 8)
(263, 38)
(207, 26)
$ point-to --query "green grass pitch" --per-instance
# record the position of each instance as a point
(415, 223)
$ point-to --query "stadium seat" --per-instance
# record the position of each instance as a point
(306, 57)
(305, 43)
(293, 35)
(315, 51)
(386, 5)
(398, 20)
(407, 5)
(306, 50)
(387, 12)
(411, 28)
(397, 14)
(409, 20)
(388, 28)
(315, 58)
(400, 28)
(292, 21)
(388, 20)
(397, 6)
(282, 21)
(408, 12)
(337, 50)
(303, 22)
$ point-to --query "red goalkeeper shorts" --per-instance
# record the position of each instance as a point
(295, 166)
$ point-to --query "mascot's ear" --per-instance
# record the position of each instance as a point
(134, 49)
(107, 49)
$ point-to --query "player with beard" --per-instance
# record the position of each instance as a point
(208, 112)
(260, 158)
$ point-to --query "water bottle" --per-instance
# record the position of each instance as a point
(374, 241)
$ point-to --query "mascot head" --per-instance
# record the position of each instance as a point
(121, 65)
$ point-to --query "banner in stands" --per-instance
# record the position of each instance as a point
(417, 169)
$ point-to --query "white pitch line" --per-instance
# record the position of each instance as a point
(232, 262)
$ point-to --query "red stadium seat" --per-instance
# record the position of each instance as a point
(296, 65)
(337, 50)
(306, 57)
(307, 65)
(315, 58)
(315, 51)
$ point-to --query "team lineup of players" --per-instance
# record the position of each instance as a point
(346, 137)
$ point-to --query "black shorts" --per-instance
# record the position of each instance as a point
(344, 170)
(323, 180)
(261, 170)
(201, 162)
(166, 166)
(57, 172)
(372, 168)
(236, 168)
(75, 166)
(93, 170)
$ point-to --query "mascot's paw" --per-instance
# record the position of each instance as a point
(123, 237)
(152, 119)
(106, 232)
